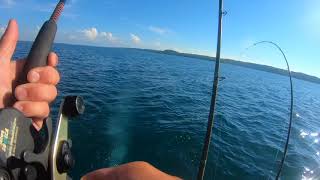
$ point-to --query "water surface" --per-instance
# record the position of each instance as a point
(154, 107)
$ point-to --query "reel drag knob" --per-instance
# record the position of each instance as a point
(73, 106)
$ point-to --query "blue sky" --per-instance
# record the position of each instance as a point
(183, 25)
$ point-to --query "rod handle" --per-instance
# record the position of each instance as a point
(40, 50)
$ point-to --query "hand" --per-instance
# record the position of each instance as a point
(130, 171)
(34, 97)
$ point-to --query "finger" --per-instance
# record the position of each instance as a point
(134, 170)
(8, 41)
(45, 75)
(7, 46)
(33, 109)
(36, 92)
(17, 66)
(53, 59)
(100, 174)
(37, 123)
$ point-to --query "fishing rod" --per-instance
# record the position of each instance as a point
(25, 153)
(285, 149)
(207, 140)
(41, 47)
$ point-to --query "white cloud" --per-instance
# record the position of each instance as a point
(108, 36)
(135, 39)
(91, 33)
(158, 30)
(95, 36)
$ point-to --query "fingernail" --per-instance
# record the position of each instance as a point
(19, 107)
(34, 76)
(21, 93)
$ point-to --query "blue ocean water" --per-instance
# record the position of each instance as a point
(153, 107)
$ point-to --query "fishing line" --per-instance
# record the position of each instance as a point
(285, 149)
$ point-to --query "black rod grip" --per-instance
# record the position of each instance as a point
(40, 50)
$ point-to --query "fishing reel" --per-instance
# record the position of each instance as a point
(26, 154)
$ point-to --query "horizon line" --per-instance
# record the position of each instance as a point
(123, 47)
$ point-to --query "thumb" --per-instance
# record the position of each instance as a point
(8, 44)
(8, 41)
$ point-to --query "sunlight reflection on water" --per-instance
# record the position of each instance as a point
(308, 173)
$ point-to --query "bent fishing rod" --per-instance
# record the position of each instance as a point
(205, 150)
(25, 153)
(285, 148)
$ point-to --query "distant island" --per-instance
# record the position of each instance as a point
(260, 67)
(296, 75)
